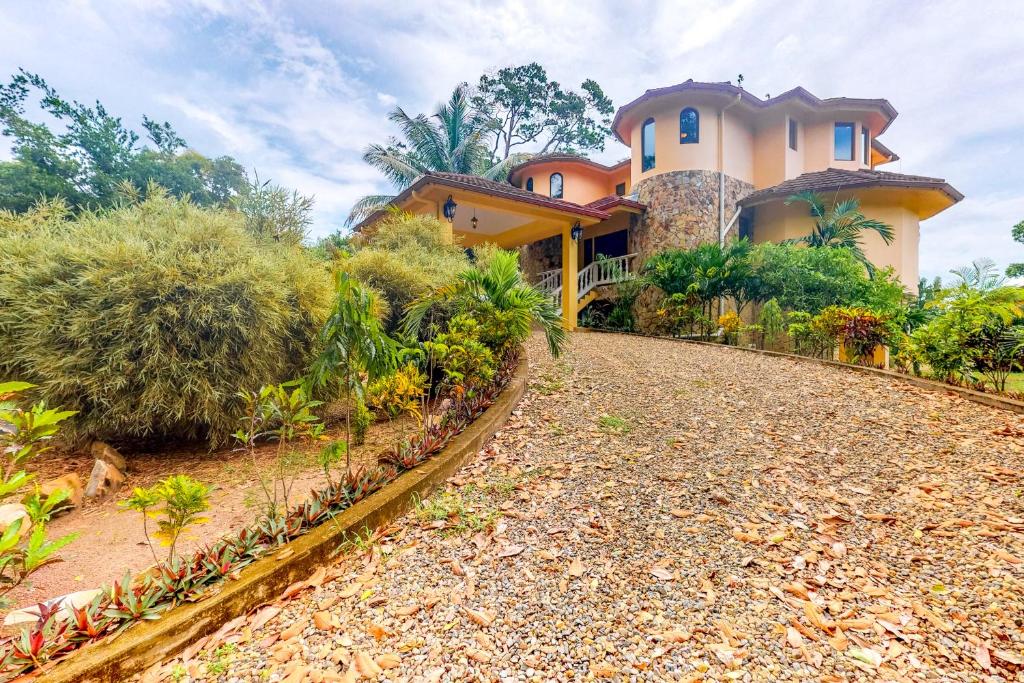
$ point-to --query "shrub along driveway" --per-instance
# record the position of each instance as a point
(663, 511)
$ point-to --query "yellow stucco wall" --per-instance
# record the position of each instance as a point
(775, 222)
(581, 183)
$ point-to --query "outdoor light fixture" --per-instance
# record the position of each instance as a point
(449, 209)
(474, 221)
(577, 232)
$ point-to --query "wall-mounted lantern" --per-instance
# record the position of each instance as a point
(473, 221)
(576, 232)
(449, 209)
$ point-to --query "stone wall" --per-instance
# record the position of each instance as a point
(682, 209)
(536, 257)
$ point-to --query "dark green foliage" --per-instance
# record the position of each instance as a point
(839, 226)
(701, 275)
(95, 154)
(1017, 269)
(147, 318)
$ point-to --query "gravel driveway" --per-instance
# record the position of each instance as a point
(664, 511)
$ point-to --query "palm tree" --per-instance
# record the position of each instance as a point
(497, 283)
(840, 226)
(451, 141)
(982, 275)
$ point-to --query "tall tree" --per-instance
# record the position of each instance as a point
(89, 160)
(528, 109)
(450, 140)
(840, 225)
(1017, 269)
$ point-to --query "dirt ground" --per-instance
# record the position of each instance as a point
(112, 540)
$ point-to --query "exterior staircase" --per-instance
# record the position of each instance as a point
(603, 272)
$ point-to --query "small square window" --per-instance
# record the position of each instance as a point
(844, 142)
(620, 189)
(792, 134)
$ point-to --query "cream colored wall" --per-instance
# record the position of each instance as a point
(580, 184)
(668, 153)
(819, 152)
(775, 222)
(794, 165)
(620, 175)
(770, 158)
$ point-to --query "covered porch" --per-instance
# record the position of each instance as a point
(479, 211)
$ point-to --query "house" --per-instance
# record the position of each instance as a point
(708, 161)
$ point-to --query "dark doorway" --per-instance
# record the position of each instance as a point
(612, 244)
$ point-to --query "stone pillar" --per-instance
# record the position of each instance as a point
(570, 271)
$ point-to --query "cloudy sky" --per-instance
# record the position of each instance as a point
(297, 90)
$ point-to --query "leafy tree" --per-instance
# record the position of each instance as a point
(703, 274)
(450, 140)
(528, 109)
(1017, 269)
(840, 226)
(87, 162)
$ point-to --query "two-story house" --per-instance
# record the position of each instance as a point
(708, 161)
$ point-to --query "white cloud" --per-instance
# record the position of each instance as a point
(297, 90)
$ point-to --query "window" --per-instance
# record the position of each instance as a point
(647, 145)
(792, 134)
(529, 184)
(620, 189)
(689, 126)
(844, 142)
(865, 141)
(556, 186)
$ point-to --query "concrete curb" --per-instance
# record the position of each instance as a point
(991, 400)
(148, 643)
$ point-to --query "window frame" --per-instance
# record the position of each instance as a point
(561, 186)
(529, 184)
(865, 140)
(643, 143)
(794, 134)
(853, 140)
(696, 120)
(623, 192)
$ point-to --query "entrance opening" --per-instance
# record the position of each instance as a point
(612, 244)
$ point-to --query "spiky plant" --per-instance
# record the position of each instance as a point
(840, 225)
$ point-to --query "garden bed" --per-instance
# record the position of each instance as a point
(265, 578)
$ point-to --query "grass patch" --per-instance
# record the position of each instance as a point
(463, 510)
(614, 425)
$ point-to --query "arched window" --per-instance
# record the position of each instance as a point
(647, 145)
(689, 126)
(529, 184)
(556, 185)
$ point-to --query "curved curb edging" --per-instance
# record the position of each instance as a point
(990, 400)
(263, 581)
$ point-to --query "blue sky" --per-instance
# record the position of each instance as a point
(297, 90)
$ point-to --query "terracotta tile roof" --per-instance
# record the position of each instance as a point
(572, 158)
(839, 179)
(493, 188)
(613, 200)
(884, 151)
(755, 102)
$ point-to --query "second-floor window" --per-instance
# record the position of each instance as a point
(647, 145)
(620, 189)
(844, 140)
(556, 186)
(865, 141)
(792, 134)
(529, 184)
(689, 126)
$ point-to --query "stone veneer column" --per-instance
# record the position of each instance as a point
(682, 210)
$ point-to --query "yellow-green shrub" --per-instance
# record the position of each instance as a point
(148, 318)
(397, 393)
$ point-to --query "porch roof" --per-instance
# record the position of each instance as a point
(489, 188)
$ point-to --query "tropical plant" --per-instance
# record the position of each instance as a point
(147, 318)
(1016, 269)
(353, 344)
(859, 331)
(398, 393)
(467, 363)
(808, 336)
(25, 433)
(451, 140)
(496, 294)
(982, 275)
(731, 325)
(703, 275)
(772, 323)
(840, 225)
(182, 499)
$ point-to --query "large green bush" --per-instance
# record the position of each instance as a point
(148, 318)
(405, 257)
